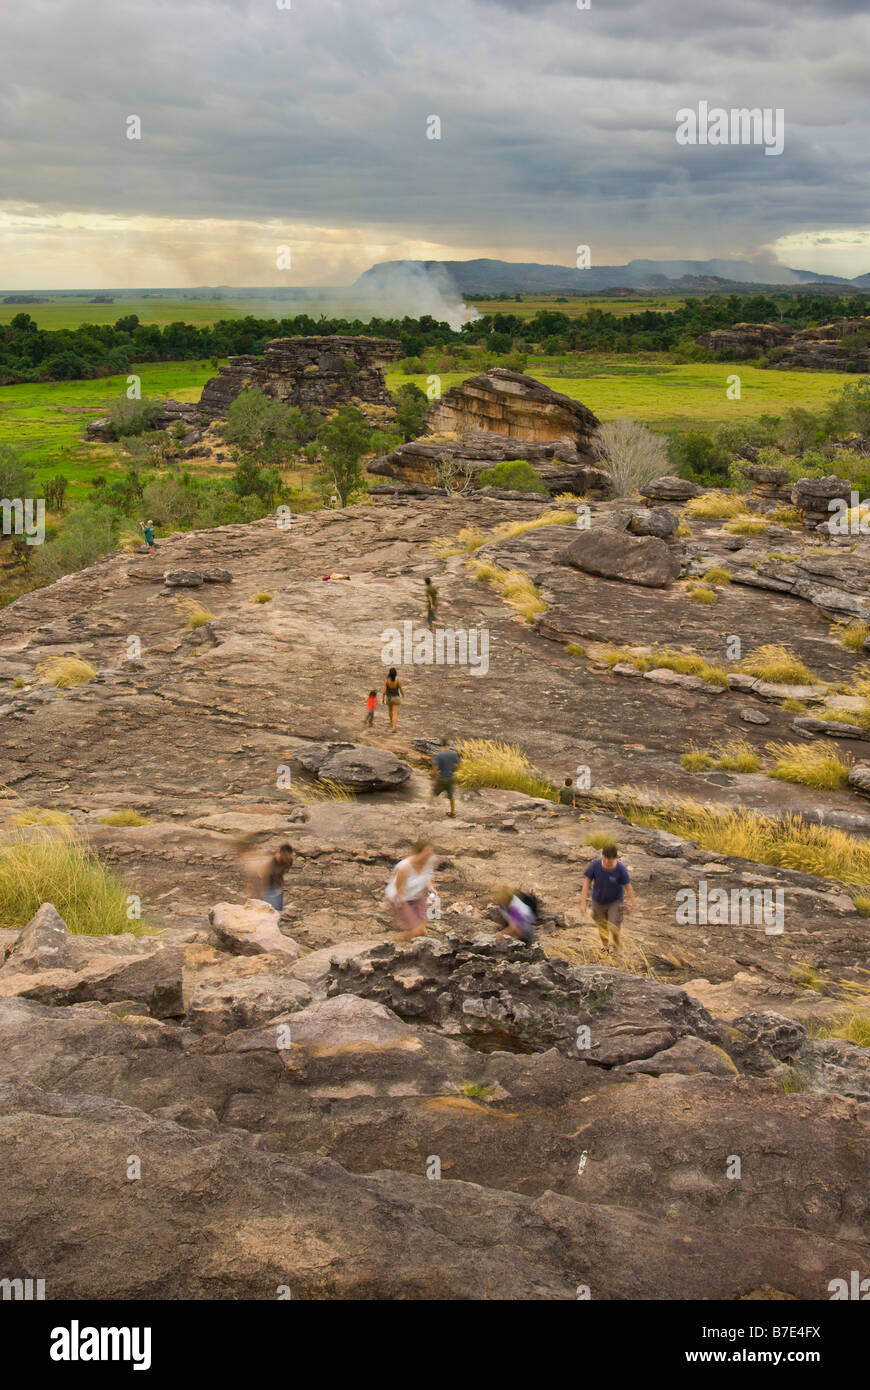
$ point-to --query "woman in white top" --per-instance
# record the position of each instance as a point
(408, 889)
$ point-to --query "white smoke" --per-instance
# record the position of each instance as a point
(388, 291)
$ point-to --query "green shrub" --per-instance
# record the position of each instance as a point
(514, 475)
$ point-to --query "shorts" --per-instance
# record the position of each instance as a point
(274, 897)
(393, 700)
(608, 913)
(444, 784)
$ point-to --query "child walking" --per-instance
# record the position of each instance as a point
(371, 701)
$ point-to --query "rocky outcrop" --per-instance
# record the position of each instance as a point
(563, 467)
(645, 521)
(318, 374)
(613, 554)
(837, 346)
(509, 403)
(171, 412)
(812, 496)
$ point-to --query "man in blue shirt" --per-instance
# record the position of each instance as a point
(611, 885)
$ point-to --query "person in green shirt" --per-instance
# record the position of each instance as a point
(147, 529)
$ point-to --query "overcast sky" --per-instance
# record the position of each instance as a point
(306, 127)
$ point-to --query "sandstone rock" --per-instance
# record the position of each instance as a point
(355, 765)
(216, 575)
(753, 716)
(42, 945)
(614, 555)
(670, 489)
(183, 579)
(223, 1005)
(859, 778)
(562, 467)
(812, 495)
(830, 728)
(509, 403)
(687, 1056)
(313, 373)
(250, 929)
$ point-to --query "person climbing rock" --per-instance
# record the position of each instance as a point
(147, 529)
(444, 765)
(612, 895)
(392, 696)
(408, 889)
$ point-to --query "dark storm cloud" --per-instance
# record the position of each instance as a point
(558, 124)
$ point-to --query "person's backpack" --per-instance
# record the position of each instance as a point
(531, 902)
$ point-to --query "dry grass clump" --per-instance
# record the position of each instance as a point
(735, 755)
(717, 505)
(65, 671)
(124, 817)
(515, 588)
(792, 706)
(493, 763)
(778, 665)
(817, 765)
(46, 868)
(262, 597)
(854, 1029)
(325, 790)
(747, 526)
(508, 529)
(575, 649)
(787, 841)
(38, 815)
(785, 516)
(687, 663)
(701, 594)
(717, 575)
(852, 635)
(470, 538)
(862, 904)
(195, 614)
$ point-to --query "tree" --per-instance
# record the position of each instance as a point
(268, 429)
(15, 479)
(250, 479)
(632, 455)
(129, 417)
(452, 473)
(411, 407)
(343, 441)
(55, 491)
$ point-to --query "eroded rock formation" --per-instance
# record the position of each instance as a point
(318, 373)
(509, 403)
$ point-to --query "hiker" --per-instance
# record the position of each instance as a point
(264, 874)
(568, 793)
(408, 889)
(371, 701)
(443, 774)
(612, 894)
(431, 603)
(392, 696)
(518, 912)
(147, 529)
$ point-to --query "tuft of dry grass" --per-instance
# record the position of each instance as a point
(747, 526)
(855, 1028)
(515, 588)
(493, 763)
(687, 663)
(195, 614)
(470, 538)
(817, 765)
(125, 817)
(262, 597)
(46, 868)
(38, 815)
(862, 904)
(777, 665)
(701, 594)
(735, 755)
(555, 517)
(65, 671)
(852, 635)
(717, 575)
(716, 505)
(787, 841)
(326, 790)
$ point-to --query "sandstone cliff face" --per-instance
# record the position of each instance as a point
(562, 467)
(318, 373)
(511, 404)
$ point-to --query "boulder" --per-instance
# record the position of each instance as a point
(356, 765)
(615, 555)
(670, 489)
(183, 579)
(812, 495)
(42, 945)
(249, 929)
(317, 373)
(859, 778)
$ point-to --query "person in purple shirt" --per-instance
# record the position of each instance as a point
(612, 894)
